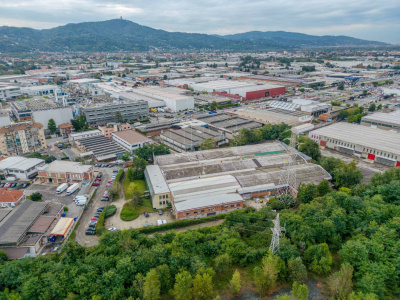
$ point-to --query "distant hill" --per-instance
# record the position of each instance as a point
(123, 35)
(293, 39)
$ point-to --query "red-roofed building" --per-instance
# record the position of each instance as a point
(66, 129)
(11, 198)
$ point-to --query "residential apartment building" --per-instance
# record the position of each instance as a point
(107, 113)
(66, 129)
(18, 139)
(61, 171)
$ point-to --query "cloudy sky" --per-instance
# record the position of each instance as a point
(366, 19)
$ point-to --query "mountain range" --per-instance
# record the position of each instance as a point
(123, 35)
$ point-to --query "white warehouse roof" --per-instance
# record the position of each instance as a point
(19, 163)
(362, 135)
(393, 117)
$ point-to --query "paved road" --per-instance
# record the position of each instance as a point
(81, 237)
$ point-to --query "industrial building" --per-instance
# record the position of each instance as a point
(20, 167)
(287, 81)
(9, 92)
(106, 113)
(247, 90)
(28, 228)
(228, 123)
(62, 171)
(191, 138)
(130, 140)
(275, 116)
(22, 110)
(83, 135)
(211, 182)
(374, 144)
(174, 98)
(60, 115)
(39, 90)
(22, 138)
(100, 148)
(386, 121)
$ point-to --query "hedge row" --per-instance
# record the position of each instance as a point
(180, 224)
(120, 175)
(100, 223)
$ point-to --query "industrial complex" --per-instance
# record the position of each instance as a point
(210, 182)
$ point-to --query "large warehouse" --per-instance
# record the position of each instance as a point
(211, 182)
(381, 146)
(247, 90)
(387, 121)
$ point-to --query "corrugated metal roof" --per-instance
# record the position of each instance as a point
(206, 201)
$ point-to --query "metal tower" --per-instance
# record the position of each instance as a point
(276, 234)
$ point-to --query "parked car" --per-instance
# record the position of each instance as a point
(104, 199)
(146, 214)
(13, 185)
(92, 226)
(160, 212)
(99, 175)
(25, 185)
(98, 179)
(112, 229)
(1, 185)
(100, 165)
(92, 222)
(96, 215)
(96, 165)
(101, 208)
(95, 183)
(94, 219)
(90, 232)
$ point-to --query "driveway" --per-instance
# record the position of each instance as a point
(81, 237)
(70, 153)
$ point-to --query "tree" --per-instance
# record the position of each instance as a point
(213, 105)
(340, 283)
(130, 177)
(365, 93)
(340, 86)
(266, 275)
(203, 287)
(307, 192)
(51, 125)
(330, 163)
(372, 107)
(310, 148)
(208, 144)
(323, 188)
(138, 166)
(235, 282)
(297, 270)
(151, 287)
(222, 261)
(299, 291)
(125, 156)
(114, 190)
(137, 199)
(49, 159)
(318, 258)
(379, 107)
(3, 256)
(36, 197)
(183, 286)
(347, 175)
(118, 117)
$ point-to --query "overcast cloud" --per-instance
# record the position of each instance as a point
(366, 19)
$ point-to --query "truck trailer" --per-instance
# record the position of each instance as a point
(61, 188)
(72, 188)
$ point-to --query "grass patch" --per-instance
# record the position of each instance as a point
(139, 185)
(128, 213)
(72, 236)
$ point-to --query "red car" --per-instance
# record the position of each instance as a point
(96, 183)
(110, 181)
(98, 179)
(94, 219)
(8, 185)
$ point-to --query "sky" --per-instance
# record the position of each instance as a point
(365, 19)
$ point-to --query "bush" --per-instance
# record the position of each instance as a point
(128, 213)
(100, 223)
(110, 211)
(36, 197)
(119, 176)
(65, 208)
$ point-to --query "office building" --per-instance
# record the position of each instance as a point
(21, 167)
(130, 140)
(107, 113)
(9, 92)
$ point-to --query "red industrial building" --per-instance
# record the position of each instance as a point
(269, 92)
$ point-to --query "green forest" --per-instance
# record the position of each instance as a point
(348, 239)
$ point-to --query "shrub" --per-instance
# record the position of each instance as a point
(110, 211)
(119, 176)
(128, 213)
(100, 223)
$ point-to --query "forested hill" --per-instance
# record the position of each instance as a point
(290, 39)
(124, 35)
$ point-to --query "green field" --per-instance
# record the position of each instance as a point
(140, 186)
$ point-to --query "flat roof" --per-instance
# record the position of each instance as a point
(20, 220)
(157, 180)
(211, 200)
(392, 117)
(132, 136)
(362, 135)
(62, 226)
(62, 166)
(19, 163)
(217, 154)
(273, 115)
